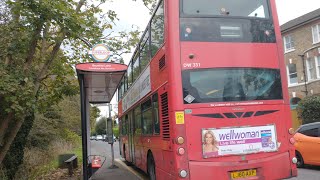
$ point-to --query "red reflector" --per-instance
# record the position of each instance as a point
(181, 151)
(96, 162)
(292, 141)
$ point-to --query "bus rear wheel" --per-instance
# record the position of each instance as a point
(300, 162)
(151, 167)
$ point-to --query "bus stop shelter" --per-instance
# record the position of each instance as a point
(98, 84)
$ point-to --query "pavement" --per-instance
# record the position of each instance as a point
(107, 172)
(122, 172)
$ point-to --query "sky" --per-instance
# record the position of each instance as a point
(135, 14)
(291, 9)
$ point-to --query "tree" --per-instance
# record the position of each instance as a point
(34, 70)
(309, 109)
(101, 126)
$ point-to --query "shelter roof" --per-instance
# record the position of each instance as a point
(101, 80)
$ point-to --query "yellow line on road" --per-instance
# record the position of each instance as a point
(121, 163)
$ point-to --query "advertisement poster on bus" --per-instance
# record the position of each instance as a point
(139, 89)
(240, 140)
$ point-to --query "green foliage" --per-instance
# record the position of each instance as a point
(3, 175)
(101, 125)
(309, 109)
(116, 131)
(43, 132)
(94, 114)
(16, 91)
(71, 137)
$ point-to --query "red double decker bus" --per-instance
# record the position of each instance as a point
(205, 95)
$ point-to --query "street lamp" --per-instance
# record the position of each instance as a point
(304, 74)
(304, 67)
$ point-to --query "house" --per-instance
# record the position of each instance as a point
(301, 38)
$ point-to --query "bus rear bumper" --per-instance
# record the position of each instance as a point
(275, 167)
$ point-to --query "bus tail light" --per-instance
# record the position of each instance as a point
(292, 141)
(183, 173)
(181, 151)
(180, 140)
(291, 131)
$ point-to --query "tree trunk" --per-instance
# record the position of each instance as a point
(33, 45)
(14, 157)
(3, 126)
(11, 135)
(47, 64)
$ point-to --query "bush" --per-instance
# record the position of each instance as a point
(309, 109)
(116, 132)
(71, 136)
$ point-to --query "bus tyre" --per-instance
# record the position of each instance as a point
(151, 167)
(300, 162)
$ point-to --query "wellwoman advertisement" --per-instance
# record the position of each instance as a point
(242, 140)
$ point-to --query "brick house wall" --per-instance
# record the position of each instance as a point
(302, 40)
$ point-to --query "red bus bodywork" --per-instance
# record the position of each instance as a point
(184, 55)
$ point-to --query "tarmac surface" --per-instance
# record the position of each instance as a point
(107, 172)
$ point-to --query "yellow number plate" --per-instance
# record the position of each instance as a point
(243, 174)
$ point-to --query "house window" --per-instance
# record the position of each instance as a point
(317, 58)
(288, 43)
(310, 69)
(292, 74)
(316, 33)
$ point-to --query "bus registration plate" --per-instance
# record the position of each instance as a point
(243, 174)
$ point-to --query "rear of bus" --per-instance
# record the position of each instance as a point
(234, 91)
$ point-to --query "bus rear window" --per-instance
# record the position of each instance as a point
(242, 8)
(231, 84)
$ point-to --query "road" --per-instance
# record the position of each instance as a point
(103, 148)
(308, 173)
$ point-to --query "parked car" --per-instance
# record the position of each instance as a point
(307, 143)
(114, 139)
(93, 138)
(99, 138)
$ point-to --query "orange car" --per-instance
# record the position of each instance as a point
(307, 143)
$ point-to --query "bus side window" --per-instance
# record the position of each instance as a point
(144, 51)
(136, 67)
(147, 117)
(125, 125)
(130, 75)
(155, 109)
(157, 30)
(137, 120)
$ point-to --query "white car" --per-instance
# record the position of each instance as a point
(93, 138)
(99, 138)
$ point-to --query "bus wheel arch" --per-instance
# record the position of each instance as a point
(300, 161)
(151, 167)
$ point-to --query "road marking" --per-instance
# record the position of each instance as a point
(129, 169)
